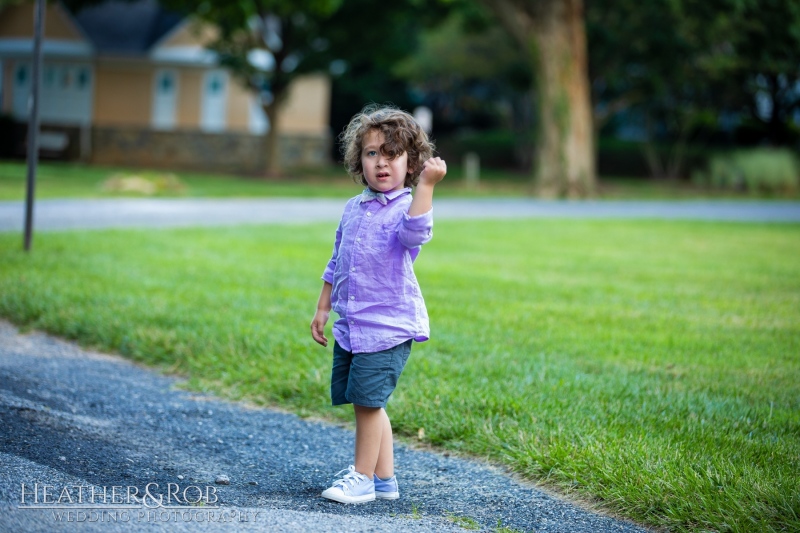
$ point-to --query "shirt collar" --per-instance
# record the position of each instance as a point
(368, 195)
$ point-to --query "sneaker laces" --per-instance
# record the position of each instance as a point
(350, 479)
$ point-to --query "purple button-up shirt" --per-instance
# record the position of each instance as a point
(375, 292)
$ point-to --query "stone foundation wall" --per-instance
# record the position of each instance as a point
(238, 153)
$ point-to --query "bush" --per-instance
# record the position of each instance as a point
(496, 148)
(625, 158)
(754, 170)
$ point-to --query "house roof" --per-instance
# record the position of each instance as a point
(126, 27)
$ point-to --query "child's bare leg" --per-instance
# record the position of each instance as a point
(370, 423)
(384, 469)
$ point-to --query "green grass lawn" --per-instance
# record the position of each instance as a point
(651, 367)
(72, 180)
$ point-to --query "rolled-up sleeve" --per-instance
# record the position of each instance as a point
(331, 267)
(416, 231)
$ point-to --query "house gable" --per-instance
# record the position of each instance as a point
(186, 45)
(16, 22)
(66, 76)
(190, 32)
(62, 36)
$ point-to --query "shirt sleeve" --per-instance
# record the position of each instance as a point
(331, 267)
(417, 230)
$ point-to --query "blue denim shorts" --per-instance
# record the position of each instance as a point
(366, 379)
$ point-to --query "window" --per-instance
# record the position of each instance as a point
(22, 75)
(83, 78)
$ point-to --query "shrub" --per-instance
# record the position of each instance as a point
(496, 148)
(146, 183)
(754, 170)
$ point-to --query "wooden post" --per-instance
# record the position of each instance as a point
(472, 170)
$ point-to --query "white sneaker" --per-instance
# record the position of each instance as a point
(352, 488)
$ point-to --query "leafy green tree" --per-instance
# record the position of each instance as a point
(473, 75)
(679, 65)
(366, 43)
(766, 40)
(253, 33)
(552, 34)
(356, 41)
(469, 51)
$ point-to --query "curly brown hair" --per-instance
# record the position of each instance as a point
(401, 133)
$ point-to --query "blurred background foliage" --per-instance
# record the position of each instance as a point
(675, 84)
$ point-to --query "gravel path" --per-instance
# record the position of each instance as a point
(73, 214)
(73, 418)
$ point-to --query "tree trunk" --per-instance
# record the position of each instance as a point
(670, 165)
(554, 34)
(272, 149)
(565, 158)
(272, 143)
(279, 85)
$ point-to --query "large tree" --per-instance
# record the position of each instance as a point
(265, 44)
(474, 77)
(353, 40)
(665, 66)
(366, 44)
(681, 68)
(766, 41)
(553, 34)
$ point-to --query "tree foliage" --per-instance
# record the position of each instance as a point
(355, 41)
(265, 44)
(681, 67)
(766, 40)
(468, 68)
(366, 45)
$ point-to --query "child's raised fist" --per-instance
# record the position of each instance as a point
(433, 171)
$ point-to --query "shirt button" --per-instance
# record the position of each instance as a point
(352, 297)
(358, 239)
(352, 321)
(369, 214)
(353, 269)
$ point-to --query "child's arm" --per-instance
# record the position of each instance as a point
(324, 303)
(433, 171)
(322, 314)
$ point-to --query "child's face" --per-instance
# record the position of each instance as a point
(382, 174)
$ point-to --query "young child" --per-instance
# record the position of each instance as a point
(370, 283)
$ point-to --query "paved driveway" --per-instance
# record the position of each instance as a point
(73, 214)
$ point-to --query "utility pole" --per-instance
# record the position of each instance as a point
(33, 121)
